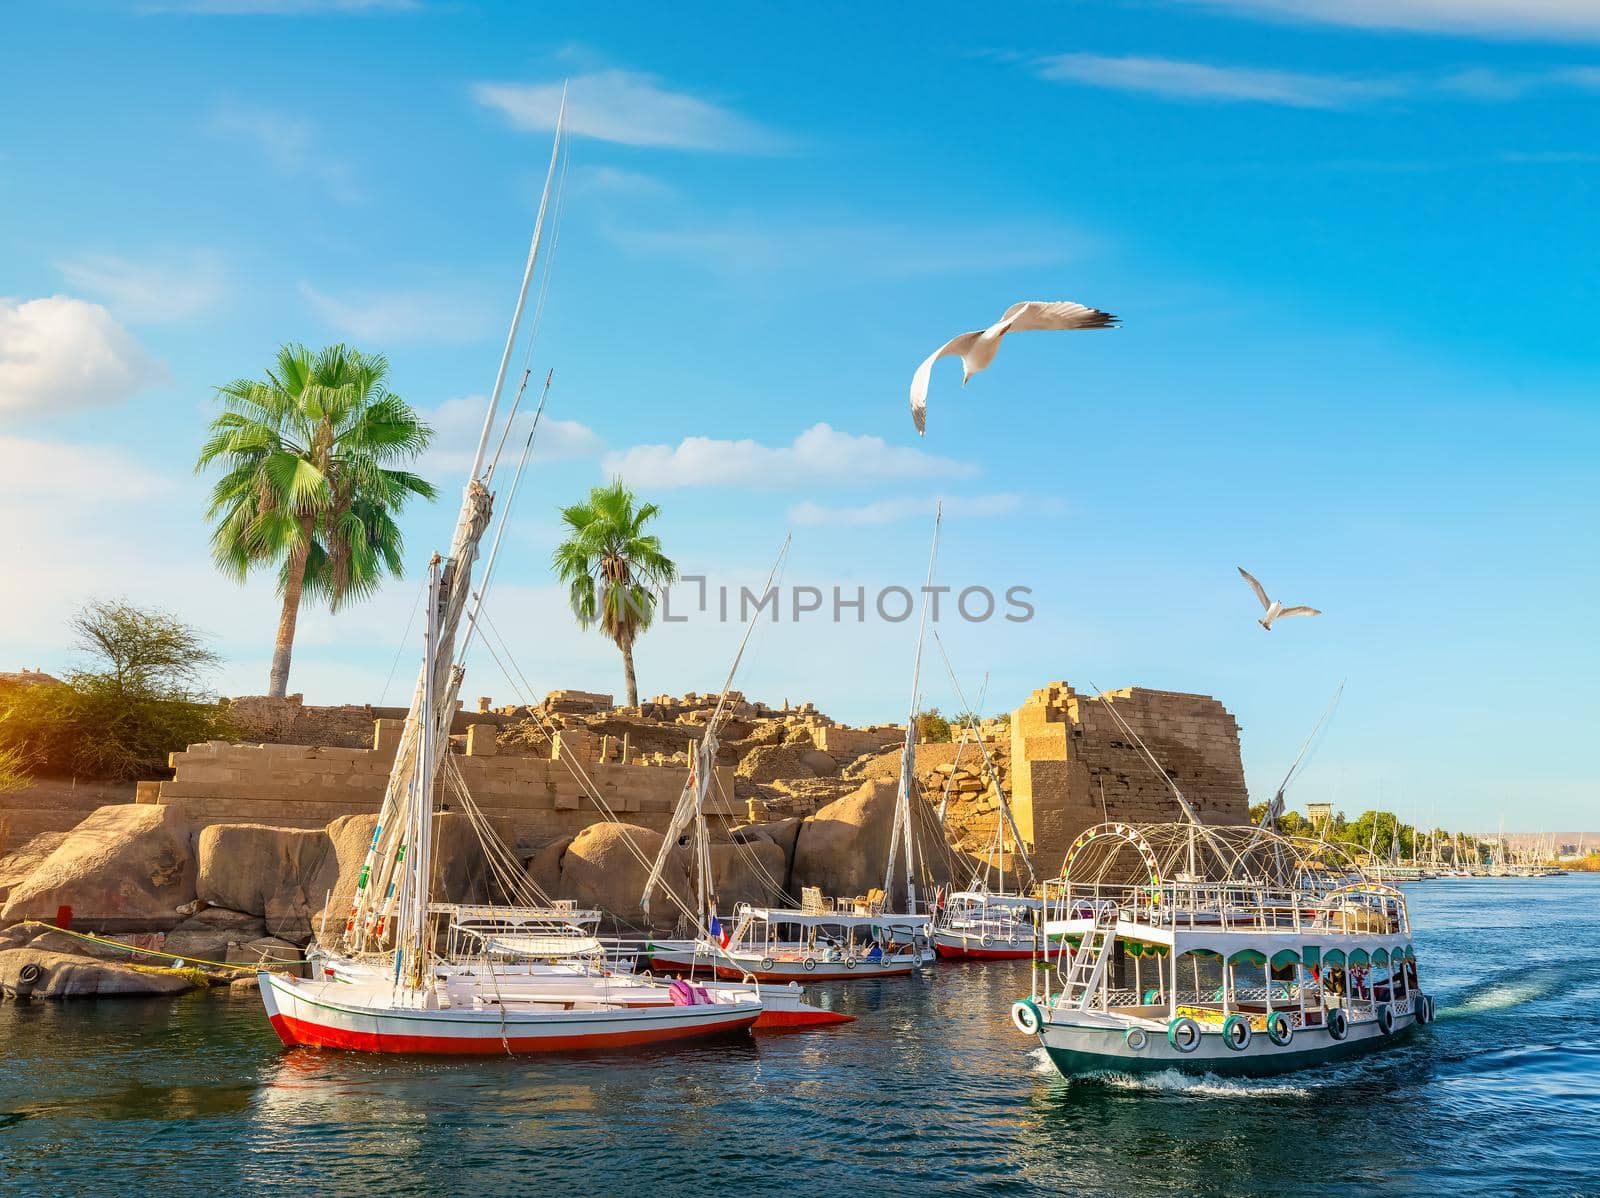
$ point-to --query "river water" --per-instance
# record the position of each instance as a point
(930, 1091)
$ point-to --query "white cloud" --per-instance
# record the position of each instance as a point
(616, 181)
(457, 424)
(49, 474)
(892, 511)
(1185, 80)
(1203, 81)
(289, 144)
(181, 285)
(1577, 20)
(59, 353)
(820, 455)
(896, 251)
(631, 108)
(405, 315)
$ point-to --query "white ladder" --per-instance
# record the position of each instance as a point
(1082, 980)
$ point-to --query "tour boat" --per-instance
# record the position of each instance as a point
(1230, 950)
(980, 925)
(775, 945)
(502, 980)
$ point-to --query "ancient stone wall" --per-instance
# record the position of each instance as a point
(289, 721)
(306, 786)
(1072, 765)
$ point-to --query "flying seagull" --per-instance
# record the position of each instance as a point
(1273, 607)
(977, 349)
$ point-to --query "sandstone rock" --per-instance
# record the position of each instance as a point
(127, 867)
(61, 975)
(753, 872)
(267, 951)
(208, 935)
(819, 763)
(280, 875)
(27, 857)
(782, 833)
(844, 847)
(544, 867)
(599, 870)
(768, 763)
(244, 985)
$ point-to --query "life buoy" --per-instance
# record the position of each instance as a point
(766, 964)
(984, 940)
(1279, 1029)
(1385, 1018)
(1236, 1033)
(810, 963)
(1135, 1039)
(1338, 1023)
(1025, 1014)
(1183, 1034)
(29, 973)
(849, 962)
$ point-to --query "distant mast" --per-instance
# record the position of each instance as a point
(903, 837)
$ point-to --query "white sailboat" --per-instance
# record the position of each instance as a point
(505, 979)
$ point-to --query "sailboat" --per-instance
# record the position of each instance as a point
(984, 922)
(411, 975)
(828, 938)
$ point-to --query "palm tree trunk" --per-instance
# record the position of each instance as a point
(283, 648)
(627, 670)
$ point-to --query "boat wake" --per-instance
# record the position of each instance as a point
(1171, 1081)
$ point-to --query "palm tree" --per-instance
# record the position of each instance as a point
(311, 483)
(613, 568)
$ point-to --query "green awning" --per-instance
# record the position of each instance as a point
(1248, 956)
(1333, 957)
(1285, 956)
(1380, 956)
(1358, 956)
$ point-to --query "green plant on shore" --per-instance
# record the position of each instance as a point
(138, 700)
(613, 568)
(932, 727)
(13, 769)
(312, 484)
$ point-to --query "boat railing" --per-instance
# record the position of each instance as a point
(1235, 906)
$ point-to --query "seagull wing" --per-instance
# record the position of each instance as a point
(919, 380)
(1299, 611)
(1054, 314)
(1261, 592)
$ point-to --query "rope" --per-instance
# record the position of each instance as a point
(233, 967)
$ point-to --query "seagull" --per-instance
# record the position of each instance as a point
(977, 349)
(1275, 610)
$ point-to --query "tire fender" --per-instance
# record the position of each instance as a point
(1183, 1034)
(1025, 1015)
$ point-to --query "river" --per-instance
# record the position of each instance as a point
(931, 1091)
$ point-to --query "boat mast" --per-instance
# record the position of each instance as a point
(908, 757)
(381, 888)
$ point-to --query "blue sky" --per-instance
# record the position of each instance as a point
(1353, 245)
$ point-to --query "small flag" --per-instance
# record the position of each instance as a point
(717, 933)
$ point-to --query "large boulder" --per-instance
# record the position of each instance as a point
(753, 872)
(601, 869)
(819, 763)
(544, 867)
(768, 763)
(460, 872)
(126, 868)
(209, 934)
(38, 973)
(279, 875)
(26, 858)
(783, 833)
(844, 847)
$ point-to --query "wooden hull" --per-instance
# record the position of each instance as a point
(320, 1014)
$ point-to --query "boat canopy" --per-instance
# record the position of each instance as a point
(1156, 855)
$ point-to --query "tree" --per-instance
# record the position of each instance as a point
(141, 650)
(613, 569)
(933, 728)
(139, 699)
(311, 482)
